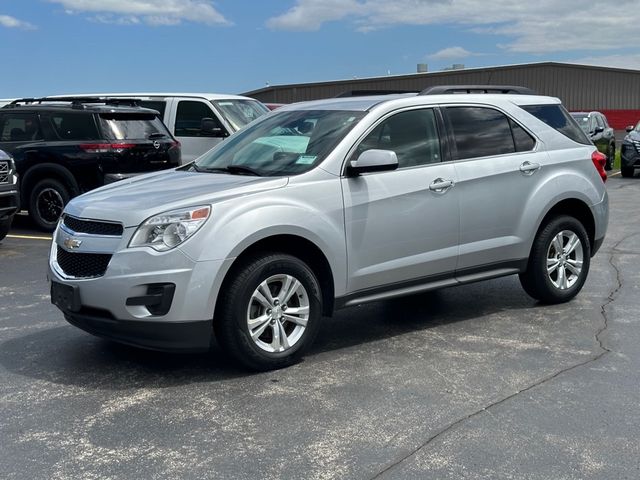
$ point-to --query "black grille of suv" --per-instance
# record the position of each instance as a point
(4, 172)
(83, 265)
(93, 227)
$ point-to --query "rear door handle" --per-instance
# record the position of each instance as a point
(529, 168)
(440, 185)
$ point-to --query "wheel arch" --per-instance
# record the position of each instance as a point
(295, 245)
(44, 171)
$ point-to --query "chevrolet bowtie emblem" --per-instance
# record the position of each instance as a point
(72, 243)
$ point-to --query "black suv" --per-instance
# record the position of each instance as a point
(630, 151)
(64, 147)
(8, 193)
(596, 126)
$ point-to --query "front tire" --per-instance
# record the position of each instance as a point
(559, 261)
(269, 311)
(46, 203)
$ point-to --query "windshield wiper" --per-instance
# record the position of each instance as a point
(232, 169)
(157, 135)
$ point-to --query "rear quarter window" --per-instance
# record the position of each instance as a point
(559, 119)
(74, 126)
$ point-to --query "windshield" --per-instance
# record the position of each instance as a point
(285, 143)
(583, 121)
(240, 112)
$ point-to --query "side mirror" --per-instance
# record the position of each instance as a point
(629, 128)
(598, 130)
(211, 128)
(373, 161)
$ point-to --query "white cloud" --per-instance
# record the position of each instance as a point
(450, 53)
(12, 22)
(151, 12)
(308, 15)
(543, 26)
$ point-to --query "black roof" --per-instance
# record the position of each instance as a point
(92, 104)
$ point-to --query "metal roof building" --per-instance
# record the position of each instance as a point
(613, 91)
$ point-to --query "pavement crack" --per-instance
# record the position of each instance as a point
(604, 350)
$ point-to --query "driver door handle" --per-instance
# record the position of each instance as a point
(440, 185)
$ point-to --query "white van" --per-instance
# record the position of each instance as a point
(183, 114)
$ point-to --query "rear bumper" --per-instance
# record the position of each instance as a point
(9, 203)
(192, 336)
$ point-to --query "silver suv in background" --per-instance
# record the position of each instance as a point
(332, 203)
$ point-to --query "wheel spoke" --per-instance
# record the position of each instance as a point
(284, 340)
(573, 269)
(572, 243)
(562, 277)
(258, 325)
(557, 243)
(297, 320)
(552, 265)
(289, 287)
(266, 300)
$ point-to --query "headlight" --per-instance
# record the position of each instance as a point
(168, 230)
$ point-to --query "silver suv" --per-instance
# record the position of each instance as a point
(331, 203)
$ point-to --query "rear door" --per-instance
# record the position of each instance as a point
(402, 225)
(138, 142)
(187, 122)
(497, 165)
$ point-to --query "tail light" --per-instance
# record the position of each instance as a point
(105, 147)
(599, 161)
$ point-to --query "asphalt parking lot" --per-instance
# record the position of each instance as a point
(477, 381)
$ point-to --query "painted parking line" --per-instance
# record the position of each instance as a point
(614, 174)
(29, 237)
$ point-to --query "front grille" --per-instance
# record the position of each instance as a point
(93, 226)
(83, 265)
(4, 173)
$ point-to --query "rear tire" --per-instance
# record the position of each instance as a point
(559, 261)
(46, 203)
(269, 311)
(627, 172)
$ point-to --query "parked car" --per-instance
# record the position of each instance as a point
(198, 120)
(596, 126)
(9, 199)
(630, 151)
(332, 203)
(64, 148)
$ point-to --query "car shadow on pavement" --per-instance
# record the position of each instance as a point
(68, 356)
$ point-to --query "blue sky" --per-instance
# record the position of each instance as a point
(232, 46)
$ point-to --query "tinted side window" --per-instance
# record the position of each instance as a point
(413, 135)
(74, 126)
(19, 127)
(557, 118)
(479, 132)
(189, 117)
(524, 142)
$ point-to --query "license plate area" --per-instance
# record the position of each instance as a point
(65, 297)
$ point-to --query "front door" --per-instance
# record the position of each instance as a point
(187, 128)
(402, 225)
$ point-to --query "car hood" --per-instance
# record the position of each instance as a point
(134, 200)
(633, 136)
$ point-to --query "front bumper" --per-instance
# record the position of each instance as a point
(119, 304)
(9, 203)
(629, 156)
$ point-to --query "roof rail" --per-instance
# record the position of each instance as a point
(78, 102)
(364, 93)
(446, 89)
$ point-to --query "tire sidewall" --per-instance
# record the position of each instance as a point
(288, 265)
